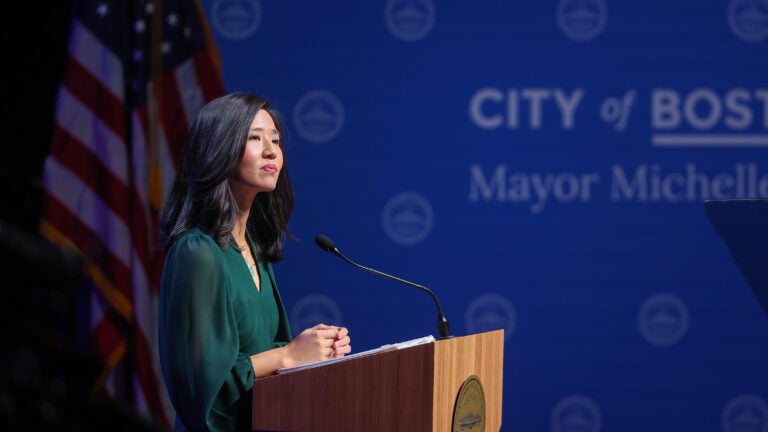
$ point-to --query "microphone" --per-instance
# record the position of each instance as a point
(442, 323)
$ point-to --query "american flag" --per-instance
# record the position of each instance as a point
(136, 74)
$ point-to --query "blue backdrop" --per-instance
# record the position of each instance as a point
(540, 165)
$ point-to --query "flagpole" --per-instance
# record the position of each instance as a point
(154, 90)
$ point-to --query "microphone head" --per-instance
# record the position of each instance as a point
(325, 243)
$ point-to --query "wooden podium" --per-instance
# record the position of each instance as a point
(407, 389)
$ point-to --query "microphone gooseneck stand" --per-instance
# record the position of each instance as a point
(442, 322)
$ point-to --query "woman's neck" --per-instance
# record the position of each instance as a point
(244, 202)
(239, 230)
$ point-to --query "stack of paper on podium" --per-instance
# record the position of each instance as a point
(387, 347)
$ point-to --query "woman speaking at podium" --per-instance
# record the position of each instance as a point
(222, 323)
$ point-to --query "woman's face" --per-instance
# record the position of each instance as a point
(263, 158)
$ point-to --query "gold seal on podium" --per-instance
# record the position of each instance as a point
(469, 409)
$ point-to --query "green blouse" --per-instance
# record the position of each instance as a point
(211, 320)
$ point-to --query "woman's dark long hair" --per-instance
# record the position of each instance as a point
(201, 193)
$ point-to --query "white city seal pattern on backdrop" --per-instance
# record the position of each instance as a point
(490, 312)
(749, 19)
(236, 19)
(745, 413)
(581, 20)
(318, 116)
(576, 413)
(409, 20)
(663, 319)
(407, 218)
(314, 309)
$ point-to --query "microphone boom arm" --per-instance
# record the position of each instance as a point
(442, 323)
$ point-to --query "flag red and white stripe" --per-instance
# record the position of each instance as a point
(124, 106)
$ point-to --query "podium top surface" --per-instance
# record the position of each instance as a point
(742, 224)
